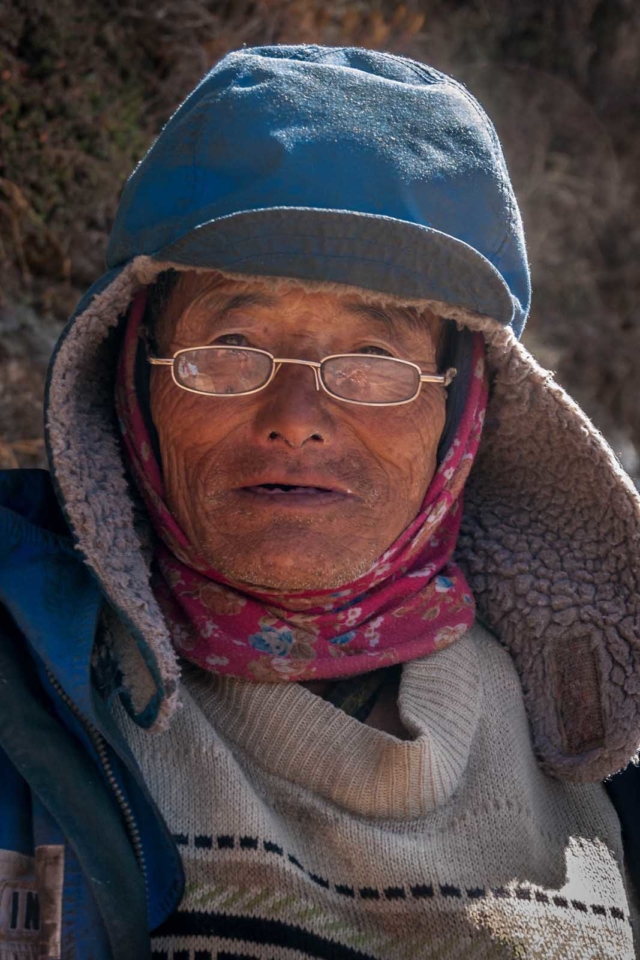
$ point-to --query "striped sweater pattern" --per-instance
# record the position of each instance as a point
(307, 834)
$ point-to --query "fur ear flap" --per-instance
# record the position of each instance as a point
(551, 544)
(87, 466)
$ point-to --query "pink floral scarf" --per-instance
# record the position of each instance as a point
(414, 599)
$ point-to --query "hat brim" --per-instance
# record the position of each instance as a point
(376, 253)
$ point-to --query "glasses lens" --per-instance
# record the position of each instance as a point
(370, 379)
(222, 370)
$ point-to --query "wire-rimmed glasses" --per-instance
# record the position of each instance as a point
(368, 379)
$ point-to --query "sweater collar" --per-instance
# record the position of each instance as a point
(291, 733)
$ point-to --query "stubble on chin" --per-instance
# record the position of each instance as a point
(285, 552)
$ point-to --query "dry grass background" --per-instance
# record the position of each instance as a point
(85, 85)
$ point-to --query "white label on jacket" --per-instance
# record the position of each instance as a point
(31, 903)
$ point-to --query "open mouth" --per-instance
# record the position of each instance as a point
(293, 494)
(275, 489)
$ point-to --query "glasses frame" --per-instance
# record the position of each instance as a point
(444, 379)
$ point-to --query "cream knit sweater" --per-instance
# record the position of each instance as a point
(305, 833)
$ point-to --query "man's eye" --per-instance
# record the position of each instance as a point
(232, 340)
(371, 348)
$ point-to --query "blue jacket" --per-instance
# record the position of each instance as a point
(67, 778)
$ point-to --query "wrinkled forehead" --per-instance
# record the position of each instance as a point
(209, 294)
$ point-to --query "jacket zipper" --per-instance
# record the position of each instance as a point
(100, 747)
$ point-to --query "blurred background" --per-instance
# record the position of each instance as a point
(85, 86)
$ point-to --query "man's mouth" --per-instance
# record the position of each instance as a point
(294, 494)
(273, 489)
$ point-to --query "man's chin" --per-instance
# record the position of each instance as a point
(289, 568)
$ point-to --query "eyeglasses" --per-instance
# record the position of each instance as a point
(220, 371)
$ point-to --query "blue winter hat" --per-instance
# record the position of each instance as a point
(333, 164)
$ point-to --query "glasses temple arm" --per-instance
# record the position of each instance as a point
(443, 378)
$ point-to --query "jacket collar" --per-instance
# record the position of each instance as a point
(56, 602)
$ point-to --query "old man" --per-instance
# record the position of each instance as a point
(323, 632)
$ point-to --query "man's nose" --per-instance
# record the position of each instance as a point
(292, 411)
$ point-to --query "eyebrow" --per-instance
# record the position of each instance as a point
(391, 321)
(238, 300)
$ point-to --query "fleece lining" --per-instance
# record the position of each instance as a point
(550, 538)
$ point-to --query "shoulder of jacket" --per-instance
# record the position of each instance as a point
(30, 496)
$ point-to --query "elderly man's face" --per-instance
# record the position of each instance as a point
(355, 476)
